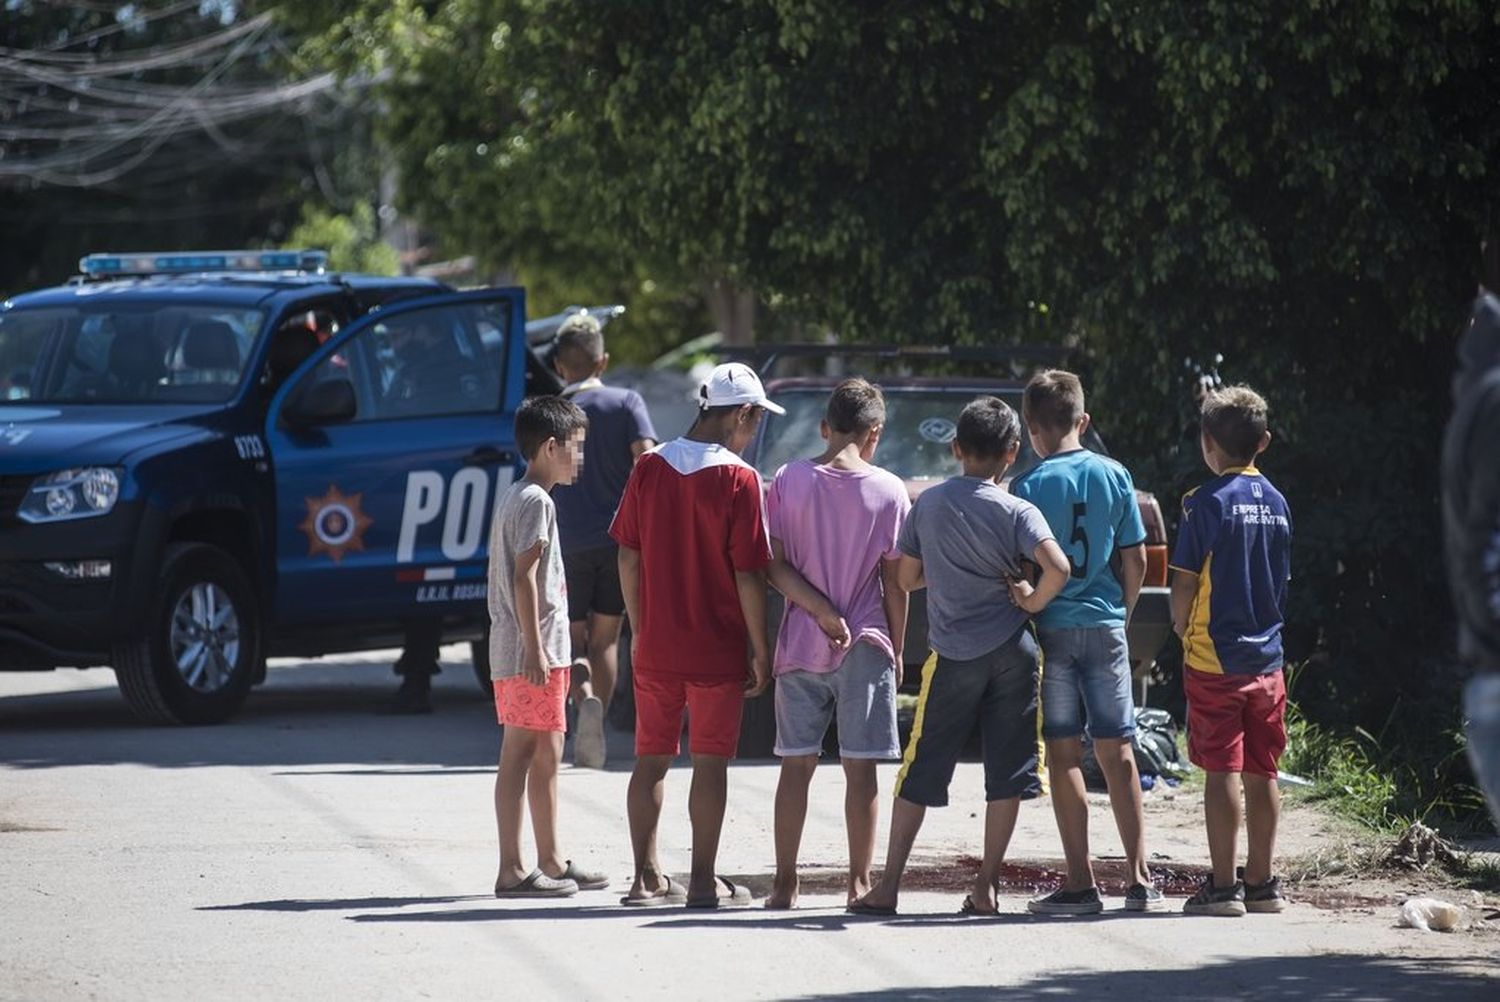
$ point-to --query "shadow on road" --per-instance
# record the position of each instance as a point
(1286, 979)
(307, 714)
(339, 904)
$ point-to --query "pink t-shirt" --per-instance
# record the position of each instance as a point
(835, 527)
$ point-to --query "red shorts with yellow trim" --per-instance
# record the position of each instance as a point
(713, 709)
(519, 703)
(1236, 723)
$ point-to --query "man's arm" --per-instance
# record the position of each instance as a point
(528, 614)
(897, 607)
(1132, 575)
(1184, 589)
(1055, 570)
(751, 586)
(640, 447)
(910, 574)
(789, 581)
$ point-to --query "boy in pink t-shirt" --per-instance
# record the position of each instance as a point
(834, 521)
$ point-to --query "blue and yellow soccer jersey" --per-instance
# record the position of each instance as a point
(1236, 535)
(1089, 503)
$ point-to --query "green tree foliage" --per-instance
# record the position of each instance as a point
(1300, 186)
(350, 239)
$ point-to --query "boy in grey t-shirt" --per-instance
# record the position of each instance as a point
(530, 654)
(964, 540)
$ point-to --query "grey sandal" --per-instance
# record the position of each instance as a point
(585, 879)
(538, 885)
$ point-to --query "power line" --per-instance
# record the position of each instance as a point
(85, 119)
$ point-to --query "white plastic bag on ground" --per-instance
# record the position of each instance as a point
(1432, 915)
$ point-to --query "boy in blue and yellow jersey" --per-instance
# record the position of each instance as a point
(1231, 567)
(1089, 503)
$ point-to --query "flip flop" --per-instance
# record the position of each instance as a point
(537, 884)
(675, 894)
(585, 879)
(860, 908)
(738, 897)
(967, 908)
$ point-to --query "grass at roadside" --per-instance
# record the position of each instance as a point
(1358, 780)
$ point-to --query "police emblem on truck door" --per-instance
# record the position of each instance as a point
(335, 524)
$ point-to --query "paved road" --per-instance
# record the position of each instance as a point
(311, 849)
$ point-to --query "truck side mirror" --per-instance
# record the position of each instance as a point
(328, 402)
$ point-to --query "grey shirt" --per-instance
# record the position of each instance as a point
(524, 517)
(969, 534)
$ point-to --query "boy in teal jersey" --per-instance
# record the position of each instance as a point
(1089, 503)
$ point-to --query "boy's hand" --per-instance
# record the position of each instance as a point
(900, 670)
(532, 669)
(759, 676)
(835, 629)
(1021, 593)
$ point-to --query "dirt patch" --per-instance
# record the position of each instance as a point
(1030, 877)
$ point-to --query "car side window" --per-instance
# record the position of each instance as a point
(440, 360)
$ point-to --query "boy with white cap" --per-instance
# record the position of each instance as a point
(693, 556)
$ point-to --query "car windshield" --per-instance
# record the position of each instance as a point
(920, 423)
(118, 354)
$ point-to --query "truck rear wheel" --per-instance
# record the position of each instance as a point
(196, 655)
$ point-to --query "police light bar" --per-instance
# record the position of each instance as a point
(107, 265)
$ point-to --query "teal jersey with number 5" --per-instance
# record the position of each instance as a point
(1089, 502)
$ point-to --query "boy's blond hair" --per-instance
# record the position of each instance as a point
(1235, 418)
(1053, 401)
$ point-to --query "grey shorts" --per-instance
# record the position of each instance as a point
(861, 691)
(998, 691)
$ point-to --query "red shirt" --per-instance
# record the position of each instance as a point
(696, 513)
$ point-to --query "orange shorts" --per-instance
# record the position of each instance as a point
(713, 710)
(519, 703)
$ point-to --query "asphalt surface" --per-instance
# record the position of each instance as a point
(314, 849)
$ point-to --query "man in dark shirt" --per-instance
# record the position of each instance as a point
(620, 432)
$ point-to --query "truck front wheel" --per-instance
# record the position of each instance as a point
(194, 659)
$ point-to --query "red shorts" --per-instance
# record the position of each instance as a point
(713, 709)
(1236, 723)
(519, 703)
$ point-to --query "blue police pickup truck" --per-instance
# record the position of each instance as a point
(209, 459)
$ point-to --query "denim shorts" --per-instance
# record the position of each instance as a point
(861, 691)
(1086, 669)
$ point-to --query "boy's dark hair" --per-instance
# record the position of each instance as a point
(541, 418)
(580, 341)
(1235, 418)
(1053, 400)
(988, 428)
(856, 406)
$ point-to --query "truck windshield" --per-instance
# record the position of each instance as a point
(116, 354)
(915, 444)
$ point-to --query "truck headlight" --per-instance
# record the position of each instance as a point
(80, 493)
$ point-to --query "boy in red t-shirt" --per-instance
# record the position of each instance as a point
(693, 558)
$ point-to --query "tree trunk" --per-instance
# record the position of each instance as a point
(732, 309)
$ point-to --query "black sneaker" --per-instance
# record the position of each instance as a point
(1061, 902)
(413, 697)
(1211, 900)
(1265, 898)
(1144, 898)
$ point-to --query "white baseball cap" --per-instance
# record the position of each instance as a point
(733, 384)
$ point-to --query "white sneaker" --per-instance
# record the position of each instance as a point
(588, 743)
